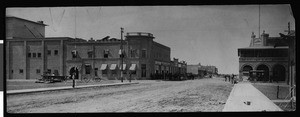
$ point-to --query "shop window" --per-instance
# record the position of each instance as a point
(88, 69)
(143, 67)
(96, 71)
(104, 72)
(114, 72)
(49, 71)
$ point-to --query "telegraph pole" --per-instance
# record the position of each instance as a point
(121, 54)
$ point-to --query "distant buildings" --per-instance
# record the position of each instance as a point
(30, 54)
(267, 58)
(201, 70)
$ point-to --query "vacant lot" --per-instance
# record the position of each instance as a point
(147, 96)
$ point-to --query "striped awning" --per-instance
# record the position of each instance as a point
(132, 67)
(103, 67)
(124, 67)
(113, 66)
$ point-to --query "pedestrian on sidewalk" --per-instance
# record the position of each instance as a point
(73, 78)
(232, 79)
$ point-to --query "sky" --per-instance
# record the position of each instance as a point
(206, 34)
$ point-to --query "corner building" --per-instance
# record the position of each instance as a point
(266, 58)
(29, 55)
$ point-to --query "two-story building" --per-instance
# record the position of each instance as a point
(266, 58)
(29, 55)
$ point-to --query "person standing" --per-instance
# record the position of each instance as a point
(73, 78)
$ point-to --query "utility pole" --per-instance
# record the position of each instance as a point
(121, 54)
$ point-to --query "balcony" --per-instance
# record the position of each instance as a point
(263, 59)
(144, 34)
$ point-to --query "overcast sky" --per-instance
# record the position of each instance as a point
(206, 34)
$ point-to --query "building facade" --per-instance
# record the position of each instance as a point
(31, 56)
(266, 58)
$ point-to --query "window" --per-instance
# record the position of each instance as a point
(143, 67)
(20, 71)
(55, 52)
(133, 53)
(74, 54)
(49, 52)
(38, 71)
(90, 54)
(49, 71)
(133, 72)
(106, 52)
(143, 53)
(104, 71)
(29, 55)
(96, 71)
(114, 72)
(34, 55)
(88, 69)
(12, 71)
(39, 55)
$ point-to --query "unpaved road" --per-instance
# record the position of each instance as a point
(147, 96)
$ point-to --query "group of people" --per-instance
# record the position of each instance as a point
(231, 79)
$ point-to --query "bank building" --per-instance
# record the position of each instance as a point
(266, 59)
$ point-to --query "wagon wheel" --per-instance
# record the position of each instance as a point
(86, 79)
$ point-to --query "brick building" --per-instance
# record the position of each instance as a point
(266, 57)
(29, 57)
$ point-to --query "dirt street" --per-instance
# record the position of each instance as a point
(147, 96)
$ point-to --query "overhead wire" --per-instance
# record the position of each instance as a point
(52, 20)
(61, 17)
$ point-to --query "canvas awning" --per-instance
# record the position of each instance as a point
(132, 67)
(113, 66)
(124, 67)
(103, 67)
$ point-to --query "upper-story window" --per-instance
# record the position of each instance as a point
(34, 55)
(144, 53)
(90, 54)
(39, 55)
(29, 55)
(133, 53)
(49, 52)
(74, 54)
(106, 53)
(55, 52)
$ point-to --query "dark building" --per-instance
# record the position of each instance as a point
(266, 58)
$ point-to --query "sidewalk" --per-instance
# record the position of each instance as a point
(243, 92)
(10, 92)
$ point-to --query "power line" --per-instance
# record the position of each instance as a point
(52, 20)
(61, 17)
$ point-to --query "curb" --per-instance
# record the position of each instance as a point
(12, 92)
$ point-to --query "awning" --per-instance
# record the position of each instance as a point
(124, 67)
(103, 66)
(113, 66)
(132, 67)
